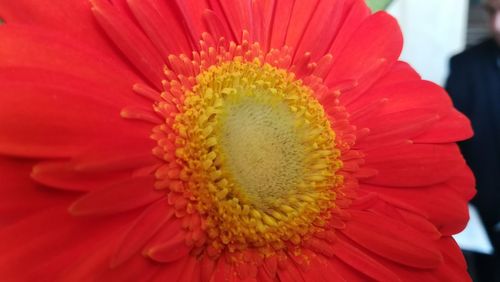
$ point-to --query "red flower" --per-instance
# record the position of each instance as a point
(222, 140)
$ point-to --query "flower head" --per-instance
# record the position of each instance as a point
(223, 140)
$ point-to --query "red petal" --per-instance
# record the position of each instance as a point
(192, 270)
(321, 29)
(262, 15)
(428, 98)
(302, 14)
(463, 183)
(96, 168)
(51, 120)
(72, 18)
(289, 272)
(370, 53)
(363, 262)
(271, 266)
(154, 16)
(215, 25)
(391, 239)
(451, 127)
(173, 249)
(403, 96)
(131, 41)
(412, 165)
(387, 128)
(449, 270)
(224, 272)
(455, 266)
(263, 276)
(400, 72)
(63, 175)
(178, 270)
(321, 269)
(356, 12)
(192, 11)
(417, 222)
(57, 233)
(280, 23)
(20, 195)
(31, 47)
(136, 269)
(407, 97)
(446, 209)
(145, 227)
(207, 267)
(236, 13)
(119, 197)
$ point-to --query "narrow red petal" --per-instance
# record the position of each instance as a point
(153, 17)
(173, 249)
(174, 271)
(52, 52)
(451, 127)
(322, 28)
(21, 248)
(192, 11)
(21, 196)
(97, 168)
(119, 197)
(370, 53)
(302, 14)
(131, 41)
(263, 15)
(386, 128)
(263, 276)
(289, 272)
(400, 72)
(321, 269)
(207, 267)
(450, 270)
(56, 123)
(280, 23)
(444, 207)
(145, 227)
(236, 13)
(355, 13)
(224, 272)
(271, 266)
(402, 96)
(69, 17)
(137, 268)
(394, 96)
(215, 25)
(65, 176)
(363, 263)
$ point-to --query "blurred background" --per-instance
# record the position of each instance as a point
(436, 30)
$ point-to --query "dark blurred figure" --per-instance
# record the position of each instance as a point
(474, 86)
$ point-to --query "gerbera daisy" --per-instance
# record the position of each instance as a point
(222, 140)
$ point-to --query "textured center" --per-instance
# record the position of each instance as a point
(262, 150)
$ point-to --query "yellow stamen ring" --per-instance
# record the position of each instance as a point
(259, 156)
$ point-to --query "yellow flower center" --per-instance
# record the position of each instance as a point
(258, 154)
(262, 153)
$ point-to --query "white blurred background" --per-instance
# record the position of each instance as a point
(433, 32)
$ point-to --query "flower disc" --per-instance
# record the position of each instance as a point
(258, 155)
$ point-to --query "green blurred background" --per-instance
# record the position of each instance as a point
(377, 5)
